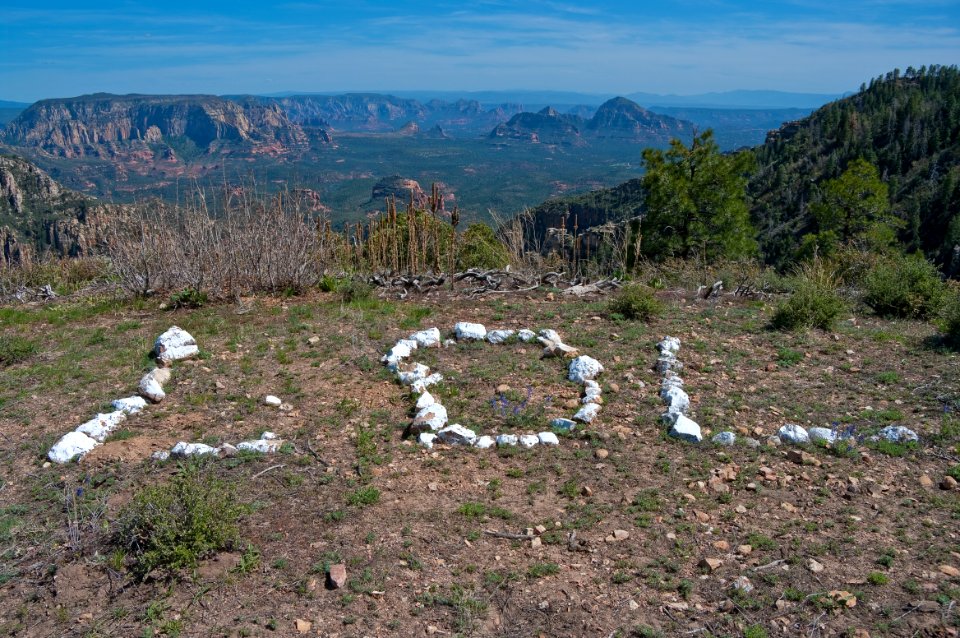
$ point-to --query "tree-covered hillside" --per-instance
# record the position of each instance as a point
(906, 124)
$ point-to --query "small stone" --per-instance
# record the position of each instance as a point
(721, 545)
(499, 336)
(587, 413)
(822, 435)
(740, 509)
(587, 491)
(184, 449)
(175, 344)
(503, 388)
(272, 401)
(744, 550)
(430, 419)
(724, 438)
(803, 458)
(457, 434)
(601, 453)
(337, 576)
(426, 439)
(548, 438)
(151, 385)
(614, 387)
(948, 483)
(130, 405)
(686, 429)
(584, 368)
(429, 338)
(898, 434)
(529, 440)
(484, 442)
(466, 331)
(771, 367)
(712, 564)
(814, 566)
(302, 626)
(425, 400)
(535, 542)
(617, 536)
(926, 481)
(794, 434)
(314, 340)
(949, 570)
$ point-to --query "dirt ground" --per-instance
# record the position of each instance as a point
(835, 542)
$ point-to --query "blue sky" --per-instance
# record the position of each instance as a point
(682, 47)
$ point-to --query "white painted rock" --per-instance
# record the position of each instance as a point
(397, 353)
(677, 400)
(898, 434)
(591, 396)
(507, 439)
(100, 427)
(791, 433)
(529, 440)
(669, 345)
(268, 436)
(590, 384)
(160, 455)
(151, 385)
(426, 439)
(666, 363)
(175, 344)
(431, 418)
(420, 386)
(587, 413)
(584, 368)
(130, 405)
(724, 438)
(564, 425)
(561, 350)
(264, 446)
(272, 401)
(425, 401)
(467, 331)
(484, 442)
(183, 449)
(686, 429)
(548, 438)
(823, 435)
(410, 374)
(499, 336)
(456, 434)
(429, 338)
(526, 335)
(70, 446)
(550, 335)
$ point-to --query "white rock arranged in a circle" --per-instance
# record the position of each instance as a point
(130, 405)
(272, 401)
(499, 336)
(564, 425)
(669, 345)
(431, 418)
(791, 433)
(526, 335)
(822, 435)
(724, 438)
(426, 439)
(420, 385)
(467, 331)
(507, 439)
(484, 442)
(151, 385)
(898, 434)
(457, 434)
(584, 368)
(175, 344)
(425, 400)
(264, 446)
(100, 427)
(429, 338)
(587, 413)
(182, 449)
(686, 429)
(410, 374)
(529, 440)
(70, 446)
(548, 438)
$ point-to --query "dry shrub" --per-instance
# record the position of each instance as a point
(63, 274)
(248, 245)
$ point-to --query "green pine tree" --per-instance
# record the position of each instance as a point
(696, 202)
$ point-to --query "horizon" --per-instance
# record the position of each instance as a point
(690, 47)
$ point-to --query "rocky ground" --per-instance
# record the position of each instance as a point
(619, 530)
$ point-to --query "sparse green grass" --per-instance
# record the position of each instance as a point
(364, 496)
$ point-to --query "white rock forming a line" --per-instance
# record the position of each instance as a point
(70, 446)
(584, 368)
(467, 331)
(175, 344)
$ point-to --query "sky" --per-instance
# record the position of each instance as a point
(68, 48)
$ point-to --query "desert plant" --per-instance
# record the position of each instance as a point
(814, 303)
(904, 286)
(173, 525)
(479, 247)
(635, 301)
